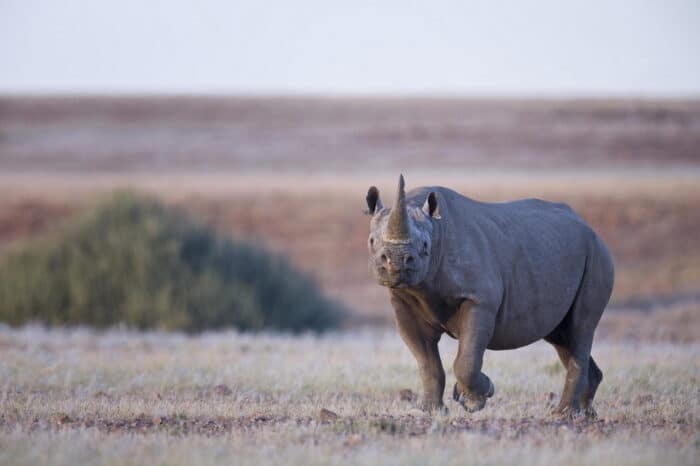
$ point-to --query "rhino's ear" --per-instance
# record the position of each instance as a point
(432, 205)
(374, 204)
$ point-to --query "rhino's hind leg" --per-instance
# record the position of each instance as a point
(581, 380)
(573, 338)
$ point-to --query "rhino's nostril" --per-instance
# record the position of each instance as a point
(408, 260)
(384, 258)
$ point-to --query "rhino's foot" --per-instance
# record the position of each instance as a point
(590, 413)
(569, 413)
(492, 390)
(563, 413)
(472, 402)
(432, 406)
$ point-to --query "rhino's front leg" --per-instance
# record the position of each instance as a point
(422, 340)
(475, 326)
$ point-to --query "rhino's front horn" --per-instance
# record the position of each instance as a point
(398, 230)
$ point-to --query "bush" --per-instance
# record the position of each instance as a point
(133, 261)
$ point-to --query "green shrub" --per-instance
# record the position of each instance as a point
(134, 261)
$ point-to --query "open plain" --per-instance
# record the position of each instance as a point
(292, 174)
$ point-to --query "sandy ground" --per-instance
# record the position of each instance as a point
(78, 397)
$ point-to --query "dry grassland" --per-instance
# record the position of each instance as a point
(78, 397)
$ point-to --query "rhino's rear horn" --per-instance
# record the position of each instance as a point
(398, 228)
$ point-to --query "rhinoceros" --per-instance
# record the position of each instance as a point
(493, 276)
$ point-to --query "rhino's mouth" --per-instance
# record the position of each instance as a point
(402, 278)
(398, 281)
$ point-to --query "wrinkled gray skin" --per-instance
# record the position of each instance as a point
(492, 275)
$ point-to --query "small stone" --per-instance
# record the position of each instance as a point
(353, 440)
(407, 395)
(327, 416)
(222, 390)
(643, 400)
(415, 412)
(157, 420)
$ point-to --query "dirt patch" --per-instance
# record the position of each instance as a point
(408, 425)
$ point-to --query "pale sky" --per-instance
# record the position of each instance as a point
(440, 47)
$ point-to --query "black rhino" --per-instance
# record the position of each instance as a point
(494, 276)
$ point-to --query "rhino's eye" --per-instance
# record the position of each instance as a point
(425, 247)
(371, 241)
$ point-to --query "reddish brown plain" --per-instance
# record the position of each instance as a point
(292, 173)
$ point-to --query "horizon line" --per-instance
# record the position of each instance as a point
(321, 95)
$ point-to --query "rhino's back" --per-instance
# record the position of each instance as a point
(527, 257)
(543, 267)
